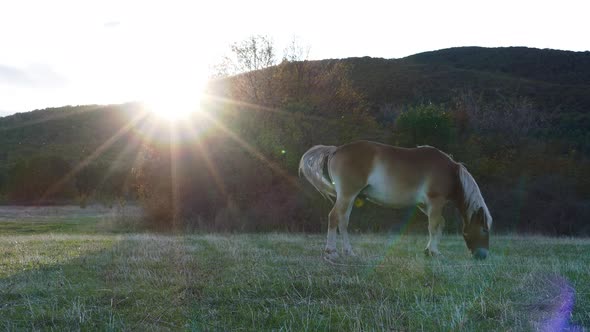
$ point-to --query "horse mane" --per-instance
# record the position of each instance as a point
(472, 198)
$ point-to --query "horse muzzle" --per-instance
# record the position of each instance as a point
(480, 253)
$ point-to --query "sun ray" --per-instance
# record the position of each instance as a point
(174, 155)
(137, 159)
(211, 168)
(260, 107)
(148, 133)
(134, 146)
(97, 153)
(292, 180)
(316, 118)
(52, 116)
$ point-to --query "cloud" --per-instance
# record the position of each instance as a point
(13, 75)
(33, 76)
(112, 24)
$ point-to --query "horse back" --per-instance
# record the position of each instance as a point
(394, 175)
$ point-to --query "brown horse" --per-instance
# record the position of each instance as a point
(397, 177)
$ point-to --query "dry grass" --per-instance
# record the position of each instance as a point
(279, 282)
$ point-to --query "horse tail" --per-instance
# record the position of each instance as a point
(312, 165)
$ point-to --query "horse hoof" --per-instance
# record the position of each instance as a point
(431, 253)
(349, 252)
(330, 255)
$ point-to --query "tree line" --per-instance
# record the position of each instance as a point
(51, 179)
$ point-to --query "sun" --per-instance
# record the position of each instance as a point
(175, 98)
(173, 106)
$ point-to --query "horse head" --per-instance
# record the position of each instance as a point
(476, 233)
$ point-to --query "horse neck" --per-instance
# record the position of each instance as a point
(467, 195)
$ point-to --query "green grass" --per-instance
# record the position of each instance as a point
(279, 282)
(78, 225)
(17, 220)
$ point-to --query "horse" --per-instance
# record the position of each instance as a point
(397, 177)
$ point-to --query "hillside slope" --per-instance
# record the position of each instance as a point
(553, 80)
(71, 132)
(551, 66)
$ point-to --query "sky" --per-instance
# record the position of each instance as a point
(59, 52)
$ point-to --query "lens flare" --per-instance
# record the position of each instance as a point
(174, 95)
(173, 106)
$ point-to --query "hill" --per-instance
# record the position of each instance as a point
(556, 81)
(551, 66)
(72, 132)
(55, 154)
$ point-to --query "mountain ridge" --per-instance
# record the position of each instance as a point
(435, 76)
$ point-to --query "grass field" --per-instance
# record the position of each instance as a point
(80, 278)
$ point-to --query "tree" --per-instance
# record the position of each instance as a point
(295, 51)
(296, 67)
(175, 185)
(514, 119)
(247, 60)
(425, 124)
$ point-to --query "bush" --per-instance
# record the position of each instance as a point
(425, 124)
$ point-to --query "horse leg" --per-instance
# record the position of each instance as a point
(435, 226)
(343, 229)
(338, 216)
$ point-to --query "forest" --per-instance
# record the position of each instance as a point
(518, 118)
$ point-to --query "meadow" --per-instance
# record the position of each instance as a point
(82, 273)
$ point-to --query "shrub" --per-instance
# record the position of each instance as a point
(425, 124)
